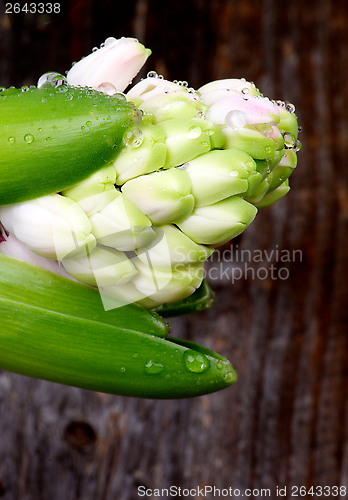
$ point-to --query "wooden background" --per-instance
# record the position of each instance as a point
(285, 423)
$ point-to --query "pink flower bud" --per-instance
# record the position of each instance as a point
(117, 62)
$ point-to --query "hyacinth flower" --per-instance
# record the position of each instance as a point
(110, 204)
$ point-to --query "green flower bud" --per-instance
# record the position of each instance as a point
(170, 106)
(121, 225)
(88, 193)
(218, 223)
(220, 174)
(172, 249)
(261, 190)
(251, 141)
(102, 266)
(284, 169)
(165, 197)
(53, 226)
(217, 139)
(144, 154)
(184, 141)
(288, 121)
(275, 195)
(264, 167)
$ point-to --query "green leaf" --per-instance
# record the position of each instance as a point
(53, 138)
(56, 330)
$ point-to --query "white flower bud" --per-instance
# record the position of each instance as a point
(53, 226)
(103, 266)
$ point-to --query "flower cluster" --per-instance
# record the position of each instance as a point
(191, 179)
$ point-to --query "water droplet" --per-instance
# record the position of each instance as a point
(123, 369)
(152, 368)
(109, 41)
(229, 378)
(200, 114)
(133, 138)
(235, 119)
(280, 103)
(219, 365)
(55, 127)
(107, 88)
(28, 138)
(88, 123)
(196, 362)
(102, 45)
(299, 129)
(290, 107)
(48, 139)
(39, 129)
(94, 49)
(25, 88)
(69, 119)
(234, 173)
(83, 127)
(51, 79)
(152, 74)
(44, 100)
(194, 132)
(289, 140)
(245, 91)
(297, 146)
(69, 97)
(11, 140)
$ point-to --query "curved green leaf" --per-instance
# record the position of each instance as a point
(53, 138)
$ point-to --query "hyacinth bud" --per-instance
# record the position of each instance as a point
(172, 249)
(102, 266)
(218, 223)
(288, 120)
(284, 169)
(145, 153)
(237, 111)
(153, 89)
(89, 193)
(165, 197)
(120, 224)
(275, 195)
(116, 62)
(53, 226)
(214, 91)
(167, 286)
(261, 190)
(250, 140)
(220, 174)
(184, 141)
